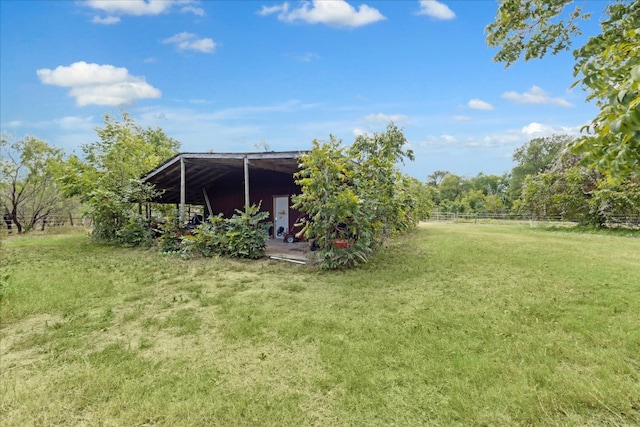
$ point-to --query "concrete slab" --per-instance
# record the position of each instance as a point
(298, 251)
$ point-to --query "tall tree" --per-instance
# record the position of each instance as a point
(534, 157)
(28, 192)
(607, 67)
(107, 178)
(357, 193)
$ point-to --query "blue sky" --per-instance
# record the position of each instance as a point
(239, 75)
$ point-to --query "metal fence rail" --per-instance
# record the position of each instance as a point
(49, 222)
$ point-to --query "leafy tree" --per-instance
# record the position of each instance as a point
(451, 187)
(536, 156)
(612, 204)
(357, 195)
(379, 180)
(607, 67)
(329, 198)
(107, 178)
(436, 177)
(28, 192)
(489, 184)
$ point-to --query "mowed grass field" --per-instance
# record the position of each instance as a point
(453, 325)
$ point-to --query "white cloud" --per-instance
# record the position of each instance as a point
(535, 95)
(539, 129)
(189, 41)
(478, 104)
(109, 20)
(533, 128)
(268, 10)
(141, 7)
(195, 10)
(306, 57)
(436, 10)
(462, 118)
(385, 118)
(336, 13)
(99, 84)
(75, 122)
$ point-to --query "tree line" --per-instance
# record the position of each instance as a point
(548, 181)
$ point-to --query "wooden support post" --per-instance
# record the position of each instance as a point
(246, 182)
(183, 185)
(206, 199)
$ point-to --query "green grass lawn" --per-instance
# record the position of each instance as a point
(456, 324)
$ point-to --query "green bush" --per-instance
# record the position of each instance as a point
(247, 233)
(209, 238)
(244, 235)
(171, 235)
(136, 231)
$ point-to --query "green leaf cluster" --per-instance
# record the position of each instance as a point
(607, 67)
(244, 235)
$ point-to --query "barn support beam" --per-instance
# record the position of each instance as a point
(246, 182)
(183, 185)
(206, 199)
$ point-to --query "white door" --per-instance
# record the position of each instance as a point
(280, 216)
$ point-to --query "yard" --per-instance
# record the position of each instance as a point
(456, 324)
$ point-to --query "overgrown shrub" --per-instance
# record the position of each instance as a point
(247, 233)
(209, 238)
(136, 231)
(171, 235)
(244, 235)
(360, 191)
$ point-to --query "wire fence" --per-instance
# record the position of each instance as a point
(622, 221)
(50, 222)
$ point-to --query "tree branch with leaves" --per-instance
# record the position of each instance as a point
(607, 67)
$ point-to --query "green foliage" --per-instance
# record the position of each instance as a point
(244, 235)
(115, 218)
(457, 194)
(556, 194)
(536, 156)
(608, 68)
(532, 28)
(136, 231)
(27, 191)
(170, 234)
(247, 233)
(107, 179)
(209, 238)
(614, 204)
(329, 197)
(574, 192)
(356, 197)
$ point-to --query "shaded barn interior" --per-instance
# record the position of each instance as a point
(224, 182)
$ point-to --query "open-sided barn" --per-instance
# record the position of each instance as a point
(224, 182)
